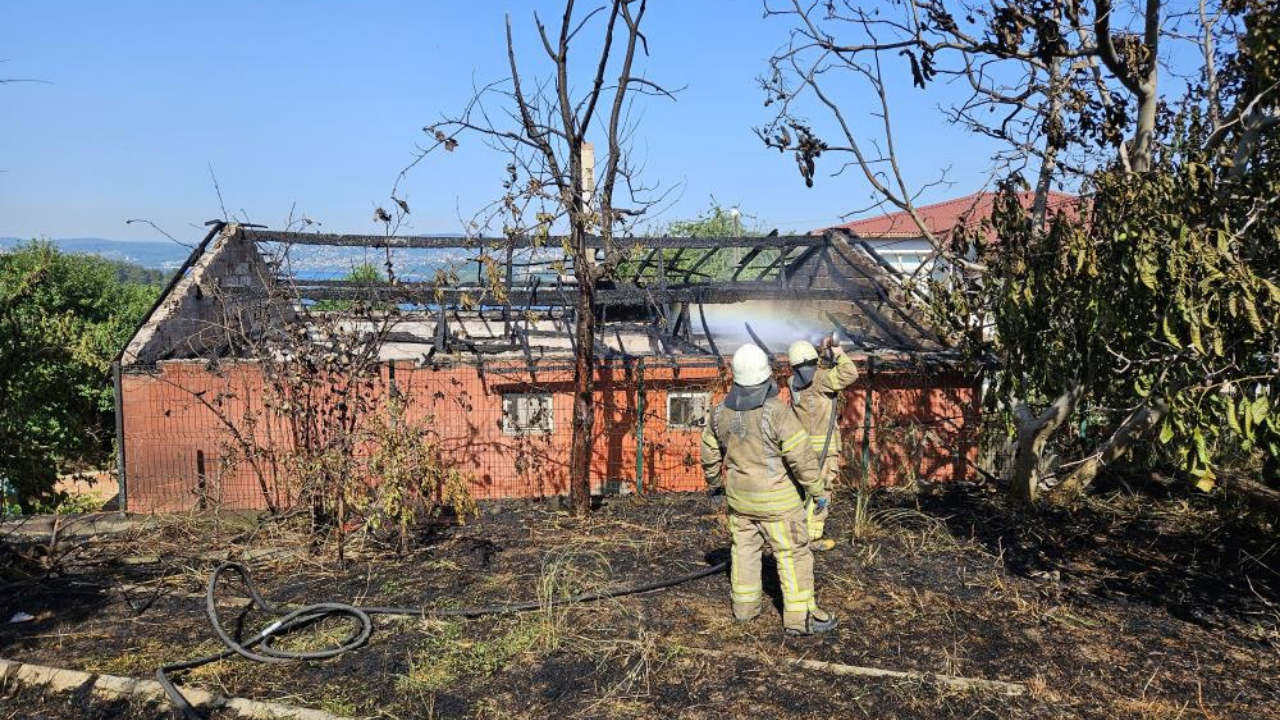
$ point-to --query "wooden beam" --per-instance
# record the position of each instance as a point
(706, 330)
(724, 292)
(688, 274)
(745, 263)
(777, 263)
(443, 242)
(644, 264)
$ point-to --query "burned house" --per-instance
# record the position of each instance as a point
(476, 336)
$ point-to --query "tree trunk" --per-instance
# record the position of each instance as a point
(1034, 432)
(584, 411)
(1145, 136)
(1255, 122)
(1148, 98)
(1052, 141)
(1143, 86)
(1131, 430)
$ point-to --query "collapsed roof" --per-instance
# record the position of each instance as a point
(477, 299)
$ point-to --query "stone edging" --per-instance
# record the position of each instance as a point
(111, 686)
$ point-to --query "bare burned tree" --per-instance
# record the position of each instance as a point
(1065, 89)
(547, 126)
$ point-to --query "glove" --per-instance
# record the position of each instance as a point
(820, 503)
(716, 494)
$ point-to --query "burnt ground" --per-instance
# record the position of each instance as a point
(1121, 606)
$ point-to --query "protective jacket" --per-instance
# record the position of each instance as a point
(812, 403)
(759, 455)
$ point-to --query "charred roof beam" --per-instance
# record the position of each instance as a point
(745, 262)
(714, 293)
(444, 242)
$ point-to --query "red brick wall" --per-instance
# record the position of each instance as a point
(923, 427)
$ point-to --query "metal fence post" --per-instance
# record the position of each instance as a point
(119, 402)
(640, 426)
(866, 421)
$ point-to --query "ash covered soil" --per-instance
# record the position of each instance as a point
(1120, 606)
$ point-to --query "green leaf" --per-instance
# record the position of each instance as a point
(1196, 343)
(1261, 406)
(1147, 273)
(1251, 312)
(1166, 432)
(1168, 333)
(1246, 414)
(1202, 447)
(1142, 385)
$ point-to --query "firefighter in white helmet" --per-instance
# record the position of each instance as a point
(754, 449)
(814, 390)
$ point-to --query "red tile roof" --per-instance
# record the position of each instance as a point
(942, 217)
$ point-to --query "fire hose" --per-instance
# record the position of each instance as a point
(259, 648)
(831, 422)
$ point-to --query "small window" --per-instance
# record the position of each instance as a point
(687, 410)
(527, 414)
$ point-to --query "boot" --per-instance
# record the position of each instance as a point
(746, 612)
(817, 623)
(822, 544)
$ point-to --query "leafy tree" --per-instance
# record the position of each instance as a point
(715, 221)
(1138, 326)
(1152, 319)
(1152, 312)
(365, 273)
(132, 274)
(62, 320)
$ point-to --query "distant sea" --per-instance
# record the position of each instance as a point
(161, 255)
(307, 263)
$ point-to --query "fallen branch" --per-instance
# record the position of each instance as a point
(1132, 429)
(1255, 492)
(961, 683)
(111, 686)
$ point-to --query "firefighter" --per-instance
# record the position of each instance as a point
(813, 393)
(755, 451)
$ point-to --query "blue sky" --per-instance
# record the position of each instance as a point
(320, 103)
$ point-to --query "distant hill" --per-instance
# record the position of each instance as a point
(163, 255)
(317, 262)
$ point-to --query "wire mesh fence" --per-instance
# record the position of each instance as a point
(198, 436)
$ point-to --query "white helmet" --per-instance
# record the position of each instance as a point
(750, 366)
(801, 352)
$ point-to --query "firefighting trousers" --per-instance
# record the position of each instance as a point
(789, 538)
(815, 518)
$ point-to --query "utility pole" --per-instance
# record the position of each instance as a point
(736, 214)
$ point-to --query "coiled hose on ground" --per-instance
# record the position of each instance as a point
(259, 648)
